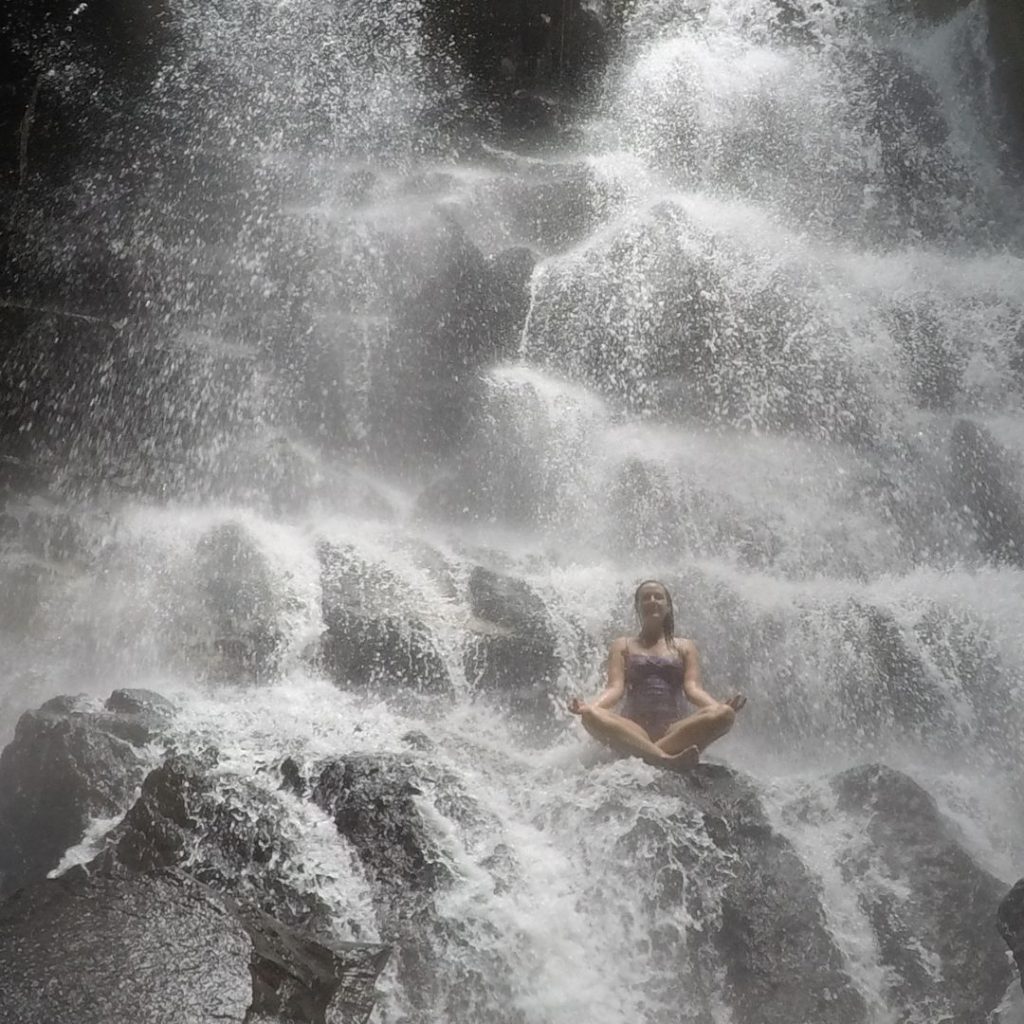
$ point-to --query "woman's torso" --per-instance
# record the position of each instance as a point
(654, 688)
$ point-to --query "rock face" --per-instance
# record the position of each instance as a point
(161, 947)
(931, 907)
(1011, 924)
(227, 836)
(371, 638)
(66, 765)
(983, 487)
(374, 801)
(511, 655)
(756, 913)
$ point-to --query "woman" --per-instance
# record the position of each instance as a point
(655, 671)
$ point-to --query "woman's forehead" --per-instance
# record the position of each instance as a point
(651, 588)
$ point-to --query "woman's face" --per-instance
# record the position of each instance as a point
(652, 603)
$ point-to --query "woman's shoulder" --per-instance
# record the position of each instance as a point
(683, 645)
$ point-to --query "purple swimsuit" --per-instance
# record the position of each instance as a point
(654, 692)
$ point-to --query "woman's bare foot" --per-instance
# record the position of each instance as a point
(688, 758)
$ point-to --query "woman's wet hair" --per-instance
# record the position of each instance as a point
(669, 624)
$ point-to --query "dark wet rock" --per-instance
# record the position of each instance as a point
(376, 804)
(547, 44)
(241, 635)
(1006, 45)
(930, 905)
(911, 696)
(373, 637)
(1010, 919)
(68, 945)
(67, 764)
(511, 652)
(372, 800)
(904, 114)
(510, 272)
(933, 364)
(985, 489)
(756, 913)
(223, 830)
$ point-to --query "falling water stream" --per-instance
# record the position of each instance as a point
(777, 271)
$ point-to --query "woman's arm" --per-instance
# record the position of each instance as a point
(615, 687)
(693, 683)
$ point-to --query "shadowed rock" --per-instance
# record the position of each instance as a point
(930, 905)
(757, 905)
(511, 653)
(66, 765)
(983, 488)
(1011, 924)
(373, 637)
(378, 805)
(223, 830)
(161, 948)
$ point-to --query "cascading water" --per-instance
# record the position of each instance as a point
(768, 351)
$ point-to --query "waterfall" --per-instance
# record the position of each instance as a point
(354, 406)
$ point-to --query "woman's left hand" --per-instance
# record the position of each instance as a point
(736, 702)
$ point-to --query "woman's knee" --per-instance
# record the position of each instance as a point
(724, 716)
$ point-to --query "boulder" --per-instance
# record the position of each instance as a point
(67, 764)
(241, 636)
(1006, 46)
(377, 804)
(511, 652)
(161, 947)
(933, 363)
(768, 928)
(984, 488)
(930, 905)
(372, 636)
(224, 831)
(1010, 919)
(557, 46)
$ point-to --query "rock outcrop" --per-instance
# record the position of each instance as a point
(1011, 924)
(162, 948)
(930, 905)
(984, 488)
(372, 638)
(70, 761)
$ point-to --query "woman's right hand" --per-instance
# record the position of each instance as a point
(576, 706)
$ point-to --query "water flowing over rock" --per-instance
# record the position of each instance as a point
(356, 361)
(372, 636)
(926, 886)
(511, 653)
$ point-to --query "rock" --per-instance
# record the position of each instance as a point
(734, 915)
(224, 831)
(372, 636)
(930, 905)
(913, 698)
(984, 488)
(375, 801)
(161, 947)
(550, 44)
(67, 765)
(511, 653)
(1006, 46)
(1010, 919)
(934, 365)
(241, 636)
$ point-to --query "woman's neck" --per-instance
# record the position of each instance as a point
(651, 637)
